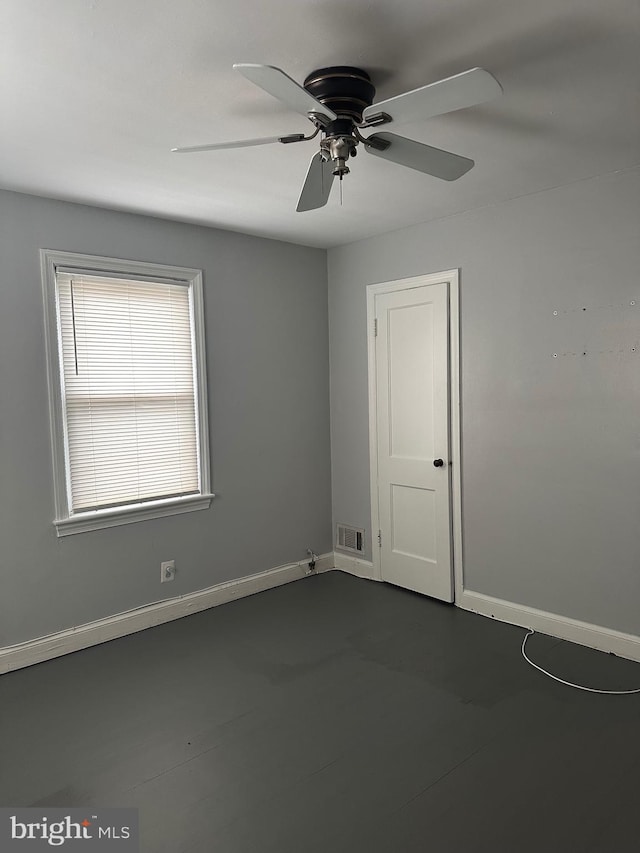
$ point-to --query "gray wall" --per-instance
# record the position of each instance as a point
(551, 449)
(267, 353)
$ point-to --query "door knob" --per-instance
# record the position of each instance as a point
(438, 463)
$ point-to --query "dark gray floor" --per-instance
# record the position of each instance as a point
(332, 714)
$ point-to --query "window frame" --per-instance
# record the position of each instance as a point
(65, 521)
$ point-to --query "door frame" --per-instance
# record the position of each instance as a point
(452, 279)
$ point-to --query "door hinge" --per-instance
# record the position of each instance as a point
(375, 328)
(379, 538)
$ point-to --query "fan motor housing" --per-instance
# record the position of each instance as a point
(345, 90)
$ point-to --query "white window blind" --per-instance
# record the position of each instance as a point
(128, 390)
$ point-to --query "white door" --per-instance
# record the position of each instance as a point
(412, 427)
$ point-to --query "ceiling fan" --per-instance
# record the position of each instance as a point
(339, 103)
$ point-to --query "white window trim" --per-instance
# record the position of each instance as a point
(66, 522)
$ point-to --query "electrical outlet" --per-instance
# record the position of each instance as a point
(168, 571)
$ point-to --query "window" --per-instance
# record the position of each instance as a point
(127, 384)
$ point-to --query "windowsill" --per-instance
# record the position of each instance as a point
(101, 518)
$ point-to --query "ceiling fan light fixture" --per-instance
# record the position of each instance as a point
(338, 101)
(338, 149)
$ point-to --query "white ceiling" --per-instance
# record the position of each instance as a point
(94, 93)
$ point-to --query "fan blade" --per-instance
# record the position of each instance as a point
(281, 86)
(454, 93)
(216, 146)
(317, 184)
(417, 155)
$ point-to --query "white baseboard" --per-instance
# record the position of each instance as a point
(121, 624)
(562, 627)
(353, 565)
(583, 633)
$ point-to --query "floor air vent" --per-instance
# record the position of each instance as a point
(350, 538)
